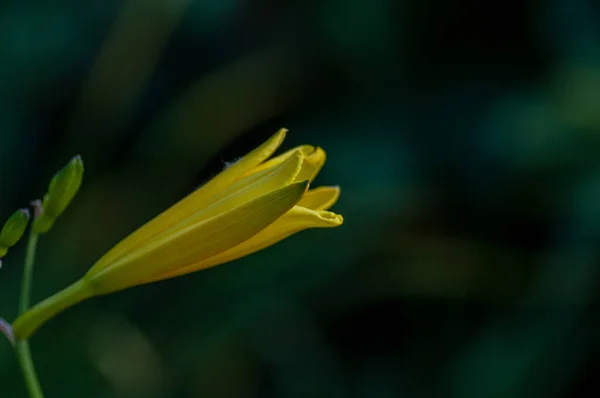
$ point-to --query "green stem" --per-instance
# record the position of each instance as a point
(22, 347)
(28, 272)
(31, 381)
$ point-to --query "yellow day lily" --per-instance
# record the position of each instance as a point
(252, 204)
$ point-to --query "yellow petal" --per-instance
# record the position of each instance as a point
(306, 150)
(252, 186)
(321, 198)
(196, 200)
(313, 163)
(243, 191)
(297, 219)
(196, 242)
(314, 159)
(246, 163)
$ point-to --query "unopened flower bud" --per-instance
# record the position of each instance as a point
(13, 230)
(63, 188)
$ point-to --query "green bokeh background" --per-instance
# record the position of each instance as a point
(465, 136)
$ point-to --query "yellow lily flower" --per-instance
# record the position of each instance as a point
(252, 204)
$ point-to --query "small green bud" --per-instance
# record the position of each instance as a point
(13, 230)
(63, 188)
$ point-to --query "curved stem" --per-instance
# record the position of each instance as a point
(22, 347)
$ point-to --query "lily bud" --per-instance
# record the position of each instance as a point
(63, 188)
(13, 230)
(251, 205)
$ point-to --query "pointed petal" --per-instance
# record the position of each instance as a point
(243, 191)
(196, 242)
(196, 200)
(246, 163)
(297, 219)
(321, 198)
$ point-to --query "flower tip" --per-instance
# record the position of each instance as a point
(279, 136)
(330, 218)
(338, 191)
(317, 157)
(25, 213)
(320, 152)
(77, 163)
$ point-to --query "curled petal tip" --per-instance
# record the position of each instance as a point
(328, 219)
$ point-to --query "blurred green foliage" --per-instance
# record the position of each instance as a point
(465, 136)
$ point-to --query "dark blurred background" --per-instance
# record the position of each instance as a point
(464, 135)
